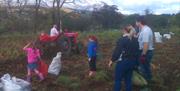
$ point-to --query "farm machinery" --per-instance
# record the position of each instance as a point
(66, 42)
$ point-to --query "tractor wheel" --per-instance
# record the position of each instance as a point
(65, 45)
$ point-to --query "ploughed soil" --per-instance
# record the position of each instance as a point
(166, 71)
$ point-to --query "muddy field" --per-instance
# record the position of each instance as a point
(73, 76)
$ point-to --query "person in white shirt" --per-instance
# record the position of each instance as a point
(145, 40)
(54, 31)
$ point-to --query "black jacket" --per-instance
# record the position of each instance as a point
(129, 48)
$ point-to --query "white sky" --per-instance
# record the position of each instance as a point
(133, 6)
(138, 6)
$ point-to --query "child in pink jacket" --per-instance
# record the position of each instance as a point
(33, 56)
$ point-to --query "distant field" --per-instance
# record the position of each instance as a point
(12, 44)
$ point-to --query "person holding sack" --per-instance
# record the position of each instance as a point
(146, 48)
(33, 56)
(125, 55)
(92, 54)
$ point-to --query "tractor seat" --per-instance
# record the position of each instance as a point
(46, 38)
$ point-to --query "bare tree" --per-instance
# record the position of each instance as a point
(59, 4)
(8, 6)
(147, 11)
(54, 12)
(21, 5)
(36, 15)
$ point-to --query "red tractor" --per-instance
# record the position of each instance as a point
(66, 43)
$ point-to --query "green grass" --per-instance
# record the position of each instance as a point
(178, 89)
(176, 30)
(64, 80)
(102, 35)
(71, 83)
(75, 86)
(12, 44)
(102, 76)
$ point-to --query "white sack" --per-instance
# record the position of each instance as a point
(55, 66)
(171, 33)
(167, 36)
(158, 37)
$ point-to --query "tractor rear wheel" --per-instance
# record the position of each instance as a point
(80, 48)
(65, 45)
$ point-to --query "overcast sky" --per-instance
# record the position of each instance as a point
(138, 6)
(134, 6)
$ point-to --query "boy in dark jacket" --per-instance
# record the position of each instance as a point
(125, 55)
(92, 51)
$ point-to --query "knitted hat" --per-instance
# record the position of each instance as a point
(93, 37)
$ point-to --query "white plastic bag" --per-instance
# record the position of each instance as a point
(1, 87)
(6, 78)
(25, 86)
(158, 37)
(55, 66)
(14, 84)
(8, 84)
(167, 36)
(171, 33)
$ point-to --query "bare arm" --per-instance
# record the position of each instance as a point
(110, 63)
(145, 48)
(26, 46)
(39, 55)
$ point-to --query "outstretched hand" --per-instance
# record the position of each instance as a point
(110, 63)
(89, 59)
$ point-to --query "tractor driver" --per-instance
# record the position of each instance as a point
(54, 32)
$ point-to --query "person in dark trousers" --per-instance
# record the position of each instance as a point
(125, 55)
(92, 54)
(145, 40)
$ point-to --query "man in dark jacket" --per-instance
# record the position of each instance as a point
(125, 55)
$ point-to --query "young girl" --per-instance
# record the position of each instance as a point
(33, 56)
(92, 50)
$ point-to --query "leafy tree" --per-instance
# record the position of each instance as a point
(108, 16)
(175, 21)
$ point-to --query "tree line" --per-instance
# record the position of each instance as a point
(22, 16)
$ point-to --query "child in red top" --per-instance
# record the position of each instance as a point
(33, 55)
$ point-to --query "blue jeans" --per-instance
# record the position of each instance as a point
(124, 70)
(145, 68)
(32, 66)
